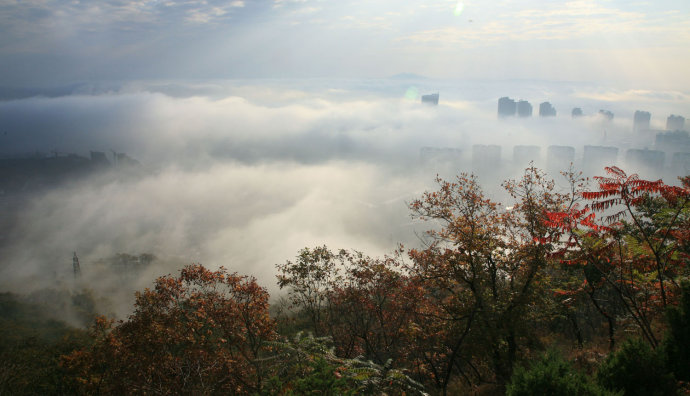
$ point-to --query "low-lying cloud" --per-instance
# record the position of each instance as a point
(243, 175)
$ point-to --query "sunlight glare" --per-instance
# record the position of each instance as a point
(412, 93)
(459, 8)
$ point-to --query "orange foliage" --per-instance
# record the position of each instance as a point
(198, 333)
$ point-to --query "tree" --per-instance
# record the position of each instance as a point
(636, 253)
(483, 268)
(31, 343)
(363, 304)
(202, 332)
(371, 308)
(310, 281)
(676, 344)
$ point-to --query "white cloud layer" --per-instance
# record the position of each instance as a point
(243, 174)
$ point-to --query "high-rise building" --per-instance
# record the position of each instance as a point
(546, 110)
(430, 99)
(523, 155)
(641, 121)
(675, 141)
(595, 158)
(577, 112)
(558, 159)
(506, 107)
(680, 164)
(486, 157)
(644, 159)
(440, 154)
(606, 114)
(524, 109)
(122, 159)
(75, 266)
(99, 158)
(675, 123)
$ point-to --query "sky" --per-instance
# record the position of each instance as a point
(631, 44)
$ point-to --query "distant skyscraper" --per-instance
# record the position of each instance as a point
(595, 158)
(524, 109)
(606, 114)
(577, 112)
(506, 107)
(643, 160)
(546, 110)
(75, 266)
(641, 121)
(523, 155)
(680, 164)
(558, 159)
(430, 155)
(673, 142)
(99, 158)
(430, 99)
(675, 123)
(486, 157)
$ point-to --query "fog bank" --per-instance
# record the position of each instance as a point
(244, 174)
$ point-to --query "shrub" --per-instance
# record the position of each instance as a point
(676, 345)
(308, 365)
(636, 369)
(551, 375)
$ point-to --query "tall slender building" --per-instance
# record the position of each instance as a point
(524, 108)
(506, 107)
(645, 160)
(486, 158)
(523, 155)
(546, 110)
(675, 123)
(641, 121)
(595, 158)
(606, 114)
(75, 266)
(559, 159)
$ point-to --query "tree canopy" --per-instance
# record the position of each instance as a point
(598, 279)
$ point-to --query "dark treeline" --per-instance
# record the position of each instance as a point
(578, 292)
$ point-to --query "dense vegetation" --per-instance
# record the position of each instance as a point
(564, 293)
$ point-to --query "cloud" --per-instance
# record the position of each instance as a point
(53, 42)
(36, 19)
(634, 95)
(255, 122)
(243, 217)
(558, 21)
(244, 174)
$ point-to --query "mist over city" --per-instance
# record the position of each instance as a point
(245, 173)
(139, 137)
